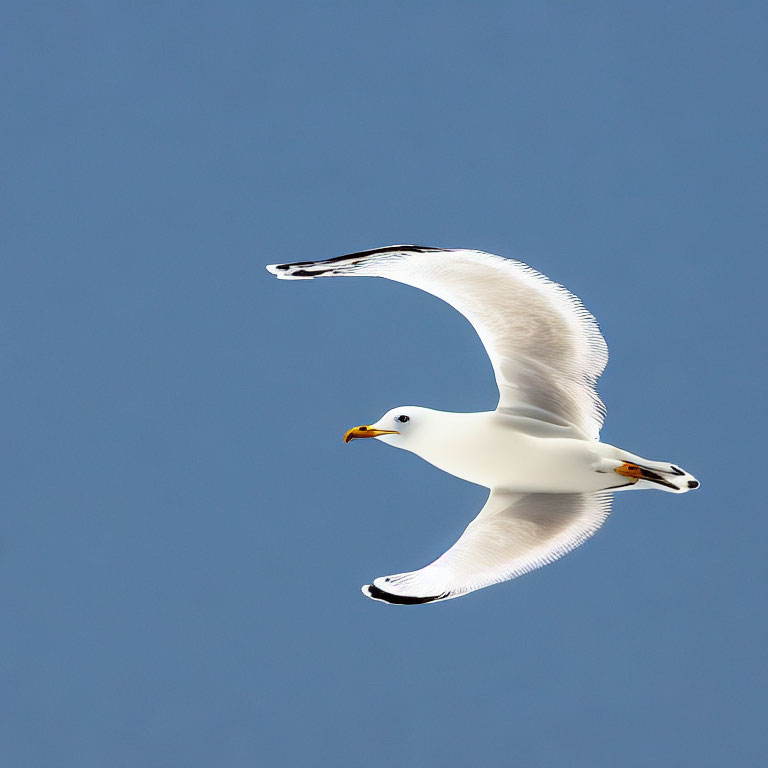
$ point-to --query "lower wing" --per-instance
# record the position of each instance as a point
(513, 534)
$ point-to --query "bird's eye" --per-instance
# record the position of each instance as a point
(402, 418)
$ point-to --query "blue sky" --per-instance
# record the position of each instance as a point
(184, 534)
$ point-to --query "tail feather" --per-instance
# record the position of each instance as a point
(657, 474)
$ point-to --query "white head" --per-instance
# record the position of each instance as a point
(401, 427)
(449, 441)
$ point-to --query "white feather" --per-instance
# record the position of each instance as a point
(546, 349)
(512, 535)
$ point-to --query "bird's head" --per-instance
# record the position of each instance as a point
(396, 427)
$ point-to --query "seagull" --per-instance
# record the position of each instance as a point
(550, 479)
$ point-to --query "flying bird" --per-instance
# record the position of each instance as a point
(551, 480)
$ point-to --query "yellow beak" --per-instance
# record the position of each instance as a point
(355, 432)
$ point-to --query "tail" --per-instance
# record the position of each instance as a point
(656, 474)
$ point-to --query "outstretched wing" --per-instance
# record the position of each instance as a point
(546, 349)
(513, 534)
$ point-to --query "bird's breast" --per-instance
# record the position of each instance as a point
(497, 456)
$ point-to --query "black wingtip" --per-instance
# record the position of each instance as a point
(319, 268)
(307, 273)
(391, 249)
(371, 590)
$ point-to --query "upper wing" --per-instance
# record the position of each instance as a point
(513, 534)
(546, 349)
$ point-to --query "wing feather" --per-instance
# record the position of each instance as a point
(512, 535)
(546, 349)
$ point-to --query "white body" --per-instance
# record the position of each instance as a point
(510, 453)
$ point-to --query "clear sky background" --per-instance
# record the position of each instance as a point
(183, 533)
